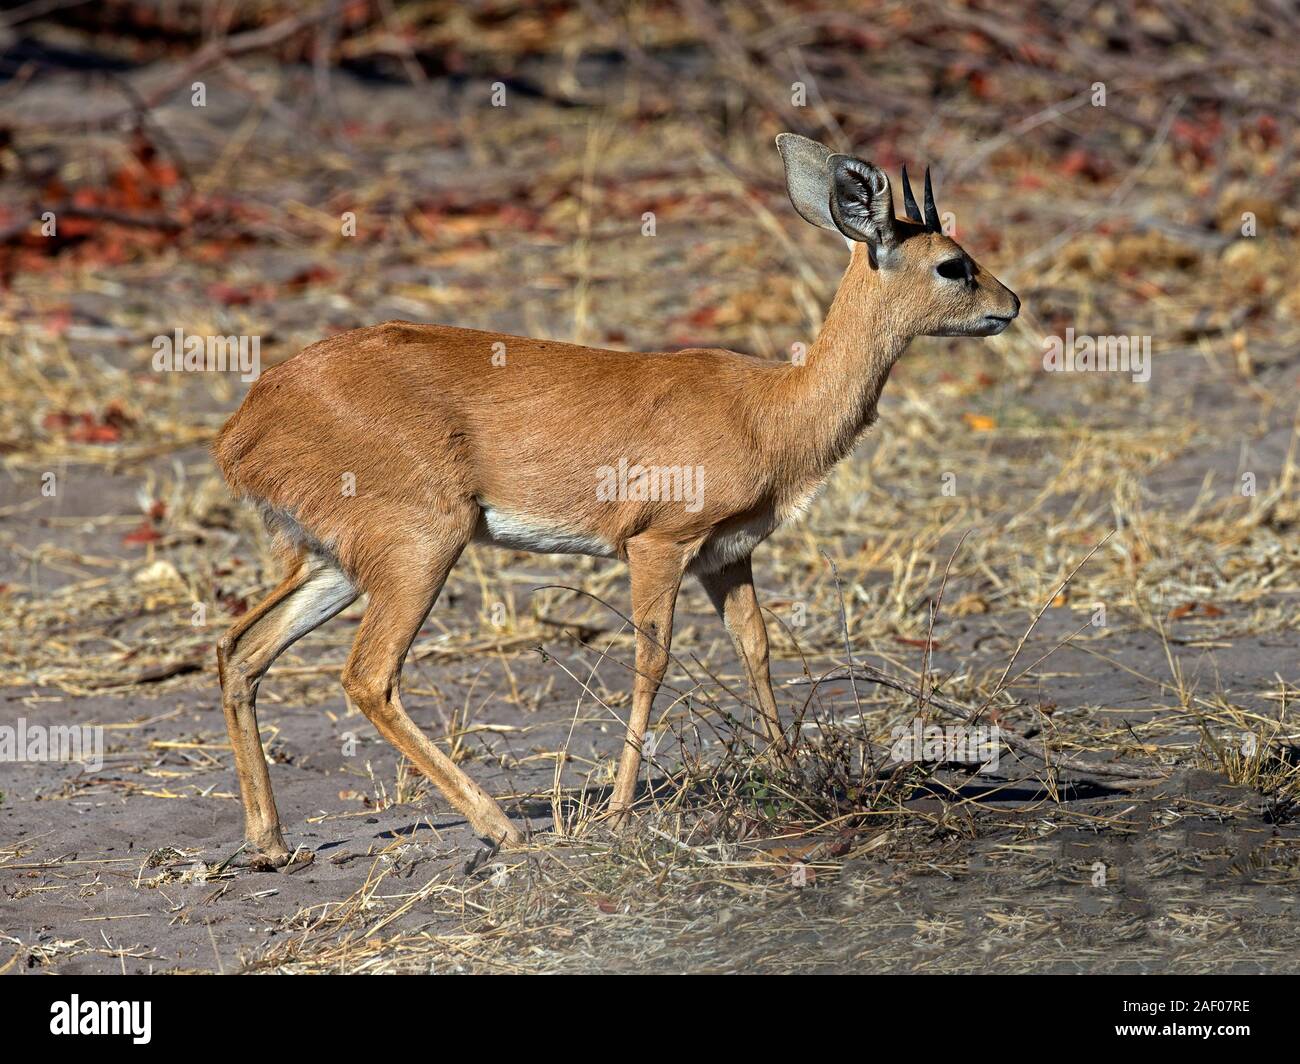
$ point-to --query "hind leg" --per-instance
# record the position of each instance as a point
(313, 592)
(400, 599)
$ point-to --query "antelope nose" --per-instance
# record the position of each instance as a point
(1015, 304)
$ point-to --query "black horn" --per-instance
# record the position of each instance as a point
(931, 212)
(909, 201)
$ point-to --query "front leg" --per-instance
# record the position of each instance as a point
(731, 589)
(656, 570)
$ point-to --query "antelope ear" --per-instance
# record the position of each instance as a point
(862, 203)
(807, 178)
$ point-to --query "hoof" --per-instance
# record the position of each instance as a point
(506, 836)
(496, 829)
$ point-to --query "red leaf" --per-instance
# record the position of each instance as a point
(92, 433)
(310, 275)
(85, 428)
(923, 643)
(146, 533)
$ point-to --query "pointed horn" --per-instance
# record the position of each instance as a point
(931, 213)
(909, 201)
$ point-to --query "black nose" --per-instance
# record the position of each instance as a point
(1015, 304)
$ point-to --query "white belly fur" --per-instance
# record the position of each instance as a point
(500, 528)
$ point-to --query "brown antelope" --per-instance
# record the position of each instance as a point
(455, 436)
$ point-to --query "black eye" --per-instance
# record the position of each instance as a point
(953, 269)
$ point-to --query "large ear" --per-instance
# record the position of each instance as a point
(862, 203)
(807, 178)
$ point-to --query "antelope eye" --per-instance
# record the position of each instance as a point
(953, 269)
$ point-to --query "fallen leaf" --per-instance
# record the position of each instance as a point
(1194, 609)
(146, 533)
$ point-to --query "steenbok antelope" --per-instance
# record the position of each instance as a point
(449, 443)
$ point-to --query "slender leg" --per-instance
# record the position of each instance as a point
(399, 602)
(656, 576)
(313, 592)
(732, 591)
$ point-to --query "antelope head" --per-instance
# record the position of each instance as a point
(931, 286)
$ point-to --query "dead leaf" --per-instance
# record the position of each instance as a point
(146, 533)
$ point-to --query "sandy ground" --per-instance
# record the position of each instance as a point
(120, 869)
